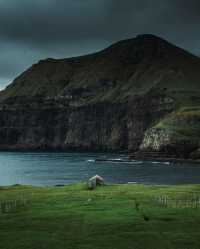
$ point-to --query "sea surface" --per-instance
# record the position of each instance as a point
(48, 169)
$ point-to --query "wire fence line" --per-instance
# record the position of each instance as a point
(9, 206)
(169, 202)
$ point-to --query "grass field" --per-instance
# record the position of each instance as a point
(110, 217)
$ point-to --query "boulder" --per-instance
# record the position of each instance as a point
(95, 181)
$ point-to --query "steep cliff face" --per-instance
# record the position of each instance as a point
(110, 100)
(176, 135)
(99, 126)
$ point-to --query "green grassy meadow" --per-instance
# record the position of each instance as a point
(110, 217)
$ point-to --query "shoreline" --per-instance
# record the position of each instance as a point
(168, 159)
(125, 152)
(84, 184)
(150, 159)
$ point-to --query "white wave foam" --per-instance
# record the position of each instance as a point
(167, 163)
(155, 162)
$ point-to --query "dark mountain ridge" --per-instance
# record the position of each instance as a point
(120, 98)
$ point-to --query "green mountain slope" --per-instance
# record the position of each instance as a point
(138, 93)
(127, 68)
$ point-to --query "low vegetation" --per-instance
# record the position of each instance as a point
(113, 216)
(184, 123)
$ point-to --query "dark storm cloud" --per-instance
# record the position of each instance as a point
(50, 22)
(35, 29)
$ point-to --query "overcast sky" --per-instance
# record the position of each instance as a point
(31, 30)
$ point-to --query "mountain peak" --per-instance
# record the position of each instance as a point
(138, 63)
(148, 36)
(143, 40)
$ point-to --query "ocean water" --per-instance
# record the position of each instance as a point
(48, 169)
